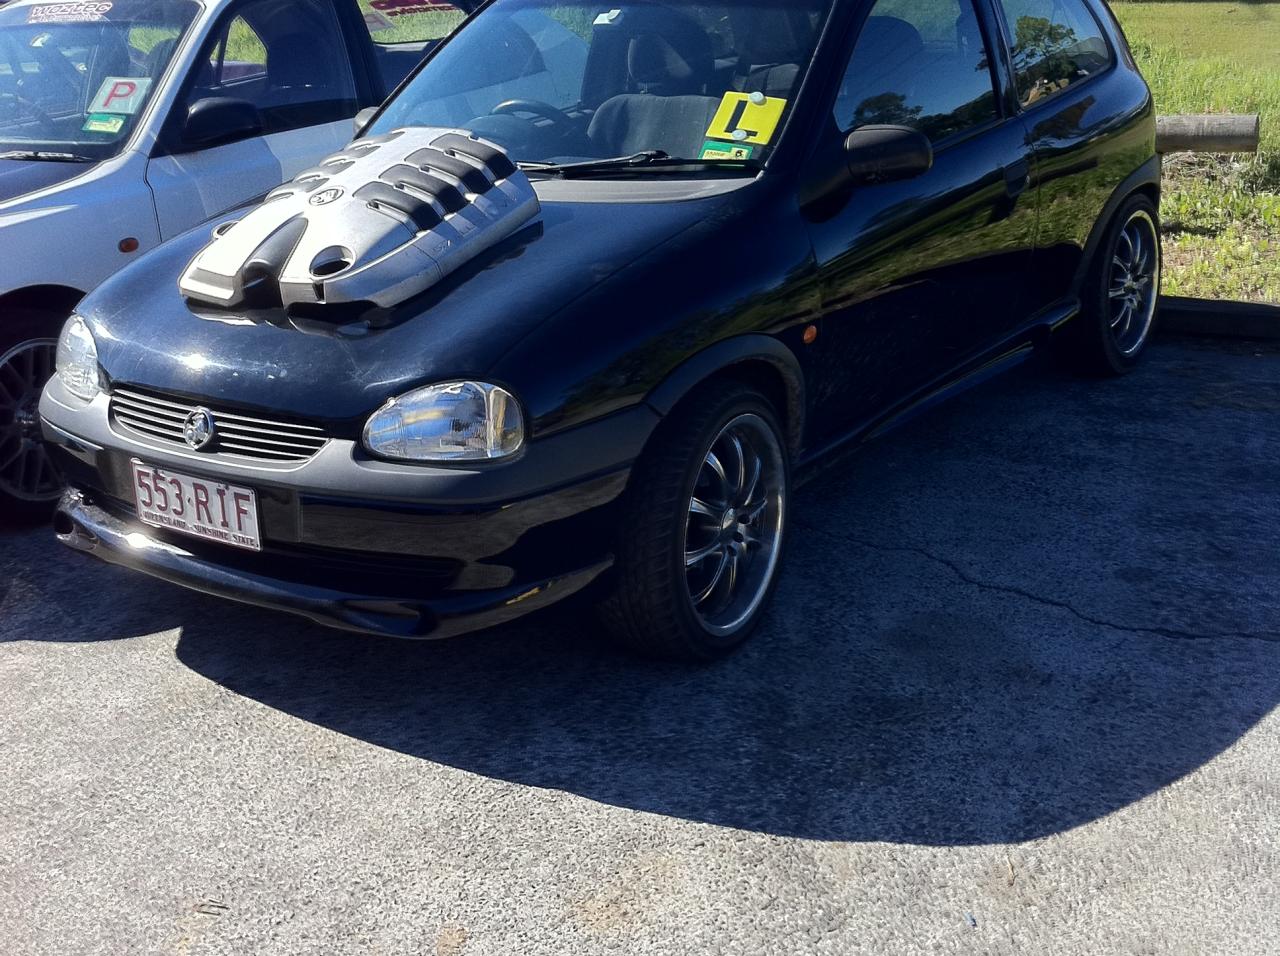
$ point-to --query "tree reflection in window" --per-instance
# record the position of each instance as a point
(1055, 43)
(919, 64)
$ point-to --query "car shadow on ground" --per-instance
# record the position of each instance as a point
(969, 646)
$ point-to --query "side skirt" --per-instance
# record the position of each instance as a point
(1012, 352)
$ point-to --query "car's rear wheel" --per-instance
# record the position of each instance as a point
(29, 482)
(704, 527)
(1122, 292)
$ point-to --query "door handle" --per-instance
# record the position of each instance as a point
(1017, 177)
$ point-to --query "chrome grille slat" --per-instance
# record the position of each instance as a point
(143, 426)
(141, 409)
(238, 436)
(316, 440)
(227, 416)
(258, 452)
(253, 440)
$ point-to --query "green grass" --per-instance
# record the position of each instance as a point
(1222, 214)
(415, 27)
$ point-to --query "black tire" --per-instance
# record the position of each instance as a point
(651, 607)
(29, 484)
(1101, 341)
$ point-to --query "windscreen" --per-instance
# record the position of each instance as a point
(557, 82)
(76, 76)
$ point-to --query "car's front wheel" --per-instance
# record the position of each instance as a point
(29, 482)
(704, 526)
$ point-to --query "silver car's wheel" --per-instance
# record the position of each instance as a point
(1135, 281)
(733, 534)
(26, 472)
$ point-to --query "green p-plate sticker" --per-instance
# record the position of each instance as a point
(733, 151)
(103, 123)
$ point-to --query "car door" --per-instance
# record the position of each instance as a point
(1058, 49)
(920, 276)
(281, 61)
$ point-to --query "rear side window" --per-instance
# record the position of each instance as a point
(919, 63)
(1055, 43)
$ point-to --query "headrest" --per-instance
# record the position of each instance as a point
(677, 61)
(887, 41)
(294, 60)
(767, 37)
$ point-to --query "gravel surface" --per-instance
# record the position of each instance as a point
(1016, 695)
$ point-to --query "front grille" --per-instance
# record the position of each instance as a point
(236, 436)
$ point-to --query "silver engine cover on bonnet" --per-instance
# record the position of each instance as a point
(380, 222)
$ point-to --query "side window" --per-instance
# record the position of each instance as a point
(919, 63)
(410, 21)
(239, 55)
(1055, 43)
(295, 71)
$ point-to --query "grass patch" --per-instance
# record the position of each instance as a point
(1222, 214)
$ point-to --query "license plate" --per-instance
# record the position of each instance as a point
(203, 509)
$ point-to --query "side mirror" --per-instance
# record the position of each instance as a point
(883, 153)
(870, 154)
(363, 119)
(216, 120)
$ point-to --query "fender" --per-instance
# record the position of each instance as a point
(1148, 174)
(726, 354)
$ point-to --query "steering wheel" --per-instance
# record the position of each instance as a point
(32, 109)
(537, 108)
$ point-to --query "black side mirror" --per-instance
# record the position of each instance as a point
(882, 153)
(870, 154)
(363, 119)
(216, 120)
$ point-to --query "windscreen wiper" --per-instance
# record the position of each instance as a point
(648, 159)
(44, 156)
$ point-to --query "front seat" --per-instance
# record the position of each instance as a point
(669, 110)
(298, 62)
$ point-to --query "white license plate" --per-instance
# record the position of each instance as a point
(204, 509)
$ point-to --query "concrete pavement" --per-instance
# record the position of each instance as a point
(1017, 695)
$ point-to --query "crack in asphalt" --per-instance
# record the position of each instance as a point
(967, 578)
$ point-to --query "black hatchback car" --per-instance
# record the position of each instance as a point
(589, 292)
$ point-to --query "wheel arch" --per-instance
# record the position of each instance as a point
(758, 360)
(1145, 180)
(58, 300)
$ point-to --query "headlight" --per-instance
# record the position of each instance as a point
(78, 359)
(457, 421)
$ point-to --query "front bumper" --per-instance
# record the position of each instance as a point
(91, 529)
(409, 551)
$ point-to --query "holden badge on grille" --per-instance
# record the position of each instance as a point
(198, 430)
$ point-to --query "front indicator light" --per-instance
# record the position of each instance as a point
(455, 421)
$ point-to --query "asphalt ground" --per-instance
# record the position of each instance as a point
(1017, 694)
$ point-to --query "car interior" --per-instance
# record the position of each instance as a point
(650, 78)
(50, 74)
(284, 58)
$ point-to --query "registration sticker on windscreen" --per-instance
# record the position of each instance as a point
(195, 506)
